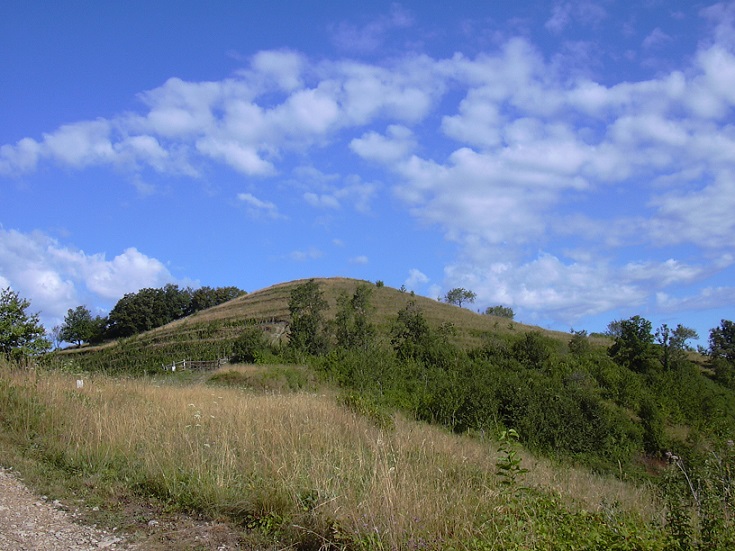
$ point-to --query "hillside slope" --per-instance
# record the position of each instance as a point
(209, 334)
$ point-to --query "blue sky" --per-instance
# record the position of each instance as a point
(574, 160)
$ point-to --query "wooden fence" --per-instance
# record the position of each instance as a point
(204, 365)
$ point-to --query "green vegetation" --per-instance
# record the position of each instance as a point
(459, 296)
(620, 406)
(21, 334)
(500, 311)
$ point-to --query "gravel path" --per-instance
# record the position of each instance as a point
(29, 523)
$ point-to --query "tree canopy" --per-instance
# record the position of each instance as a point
(78, 326)
(21, 334)
(500, 311)
(308, 327)
(459, 296)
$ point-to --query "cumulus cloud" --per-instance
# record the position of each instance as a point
(352, 191)
(60, 277)
(517, 155)
(257, 207)
(394, 146)
(416, 278)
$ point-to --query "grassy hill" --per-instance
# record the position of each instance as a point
(209, 334)
(383, 447)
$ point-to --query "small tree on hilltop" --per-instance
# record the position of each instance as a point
(459, 296)
(21, 334)
(78, 326)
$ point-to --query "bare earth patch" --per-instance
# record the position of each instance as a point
(29, 523)
(32, 523)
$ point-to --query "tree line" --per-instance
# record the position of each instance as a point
(141, 311)
(22, 335)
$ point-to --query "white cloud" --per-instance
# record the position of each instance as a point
(565, 292)
(521, 152)
(585, 12)
(354, 191)
(321, 201)
(361, 259)
(705, 299)
(656, 39)
(283, 67)
(372, 35)
(397, 144)
(312, 253)
(22, 157)
(56, 277)
(257, 207)
(242, 158)
(416, 278)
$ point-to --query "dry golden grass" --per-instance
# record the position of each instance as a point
(276, 456)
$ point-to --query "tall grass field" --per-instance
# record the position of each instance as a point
(304, 471)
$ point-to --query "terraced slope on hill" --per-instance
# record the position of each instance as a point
(210, 334)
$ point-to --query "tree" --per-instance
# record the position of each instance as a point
(207, 297)
(722, 352)
(410, 333)
(633, 348)
(673, 344)
(21, 334)
(459, 295)
(353, 328)
(579, 344)
(78, 326)
(307, 330)
(250, 344)
(722, 341)
(148, 309)
(500, 311)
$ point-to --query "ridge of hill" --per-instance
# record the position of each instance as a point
(209, 333)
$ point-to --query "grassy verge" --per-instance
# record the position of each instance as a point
(302, 470)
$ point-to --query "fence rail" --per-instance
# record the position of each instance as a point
(201, 365)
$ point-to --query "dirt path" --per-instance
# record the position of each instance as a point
(31, 523)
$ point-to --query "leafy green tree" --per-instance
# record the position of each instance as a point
(652, 420)
(99, 329)
(673, 344)
(532, 350)
(500, 311)
(250, 344)
(308, 328)
(353, 328)
(579, 344)
(614, 329)
(410, 333)
(633, 348)
(459, 295)
(78, 326)
(207, 297)
(21, 334)
(148, 309)
(722, 352)
(722, 341)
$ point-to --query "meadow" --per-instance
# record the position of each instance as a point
(305, 470)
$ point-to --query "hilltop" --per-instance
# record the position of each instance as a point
(209, 334)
